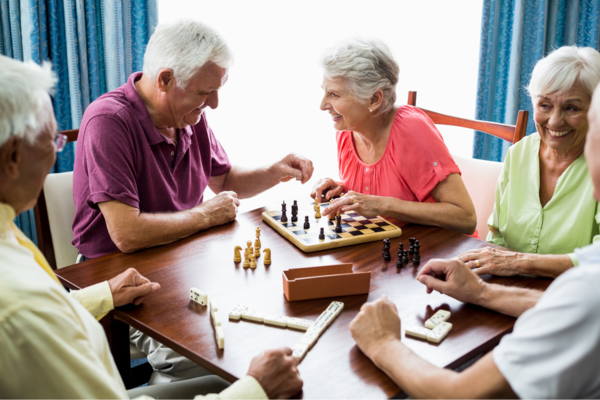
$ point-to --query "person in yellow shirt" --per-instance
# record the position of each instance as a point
(52, 345)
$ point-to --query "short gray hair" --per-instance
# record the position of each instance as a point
(367, 65)
(558, 72)
(24, 89)
(184, 47)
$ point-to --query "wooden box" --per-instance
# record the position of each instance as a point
(324, 281)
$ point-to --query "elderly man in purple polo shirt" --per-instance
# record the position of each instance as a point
(146, 154)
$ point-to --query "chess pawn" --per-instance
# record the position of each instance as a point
(322, 234)
(257, 252)
(317, 211)
(253, 262)
(306, 223)
(267, 252)
(237, 257)
(246, 263)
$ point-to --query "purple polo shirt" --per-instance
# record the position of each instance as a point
(122, 156)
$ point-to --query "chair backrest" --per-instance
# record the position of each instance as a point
(480, 179)
(54, 214)
(510, 133)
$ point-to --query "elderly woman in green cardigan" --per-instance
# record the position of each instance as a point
(544, 206)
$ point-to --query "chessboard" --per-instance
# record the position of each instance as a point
(356, 229)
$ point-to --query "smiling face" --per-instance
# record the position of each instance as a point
(561, 120)
(185, 106)
(347, 112)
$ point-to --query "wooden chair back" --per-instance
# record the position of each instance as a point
(40, 212)
(510, 133)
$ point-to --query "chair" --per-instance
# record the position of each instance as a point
(54, 213)
(480, 176)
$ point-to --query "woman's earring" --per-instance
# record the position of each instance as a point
(370, 110)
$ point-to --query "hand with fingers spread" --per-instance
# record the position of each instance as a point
(364, 204)
(376, 324)
(453, 278)
(493, 261)
(277, 373)
(326, 186)
(130, 287)
(293, 166)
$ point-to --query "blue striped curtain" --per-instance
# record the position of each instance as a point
(515, 35)
(94, 45)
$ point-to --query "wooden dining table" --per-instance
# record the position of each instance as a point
(335, 367)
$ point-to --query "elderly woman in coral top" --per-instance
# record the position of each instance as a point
(392, 160)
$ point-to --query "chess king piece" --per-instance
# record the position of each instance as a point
(253, 261)
(338, 223)
(317, 210)
(284, 218)
(267, 252)
(295, 211)
(385, 253)
(322, 234)
(306, 223)
(237, 257)
(257, 243)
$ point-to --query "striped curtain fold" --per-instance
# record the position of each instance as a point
(94, 45)
(515, 35)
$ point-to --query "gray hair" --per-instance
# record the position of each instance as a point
(558, 72)
(367, 66)
(24, 89)
(184, 47)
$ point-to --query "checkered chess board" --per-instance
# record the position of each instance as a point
(356, 229)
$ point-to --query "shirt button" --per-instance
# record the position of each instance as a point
(172, 153)
(532, 241)
(367, 169)
(367, 188)
(435, 163)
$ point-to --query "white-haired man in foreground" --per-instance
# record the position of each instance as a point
(146, 154)
(52, 346)
(553, 351)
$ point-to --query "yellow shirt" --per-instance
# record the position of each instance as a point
(50, 344)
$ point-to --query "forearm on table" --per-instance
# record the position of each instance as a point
(508, 300)
(547, 265)
(136, 230)
(249, 182)
(444, 215)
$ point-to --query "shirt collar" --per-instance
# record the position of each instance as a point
(7, 214)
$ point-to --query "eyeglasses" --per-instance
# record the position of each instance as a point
(60, 141)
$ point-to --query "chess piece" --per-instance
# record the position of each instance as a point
(417, 255)
(256, 252)
(405, 257)
(295, 211)
(306, 223)
(257, 243)
(317, 210)
(399, 263)
(267, 252)
(237, 257)
(284, 218)
(385, 253)
(322, 234)
(253, 262)
(246, 263)
(338, 223)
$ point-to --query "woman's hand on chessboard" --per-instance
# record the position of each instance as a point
(327, 187)
(363, 204)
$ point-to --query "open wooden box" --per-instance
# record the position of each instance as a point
(324, 281)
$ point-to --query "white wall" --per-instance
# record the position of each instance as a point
(270, 105)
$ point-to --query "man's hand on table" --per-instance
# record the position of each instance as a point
(376, 325)
(221, 209)
(277, 373)
(453, 278)
(131, 287)
(293, 166)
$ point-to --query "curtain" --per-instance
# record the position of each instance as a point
(515, 35)
(94, 45)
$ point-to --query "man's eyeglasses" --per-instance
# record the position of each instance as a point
(60, 141)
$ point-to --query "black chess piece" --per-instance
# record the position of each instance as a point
(417, 256)
(322, 234)
(306, 223)
(386, 250)
(338, 223)
(284, 218)
(405, 257)
(295, 211)
(399, 263)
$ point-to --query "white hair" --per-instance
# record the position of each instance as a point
(561, 69)
(184, 47)
(366, 65)
(24, 100)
